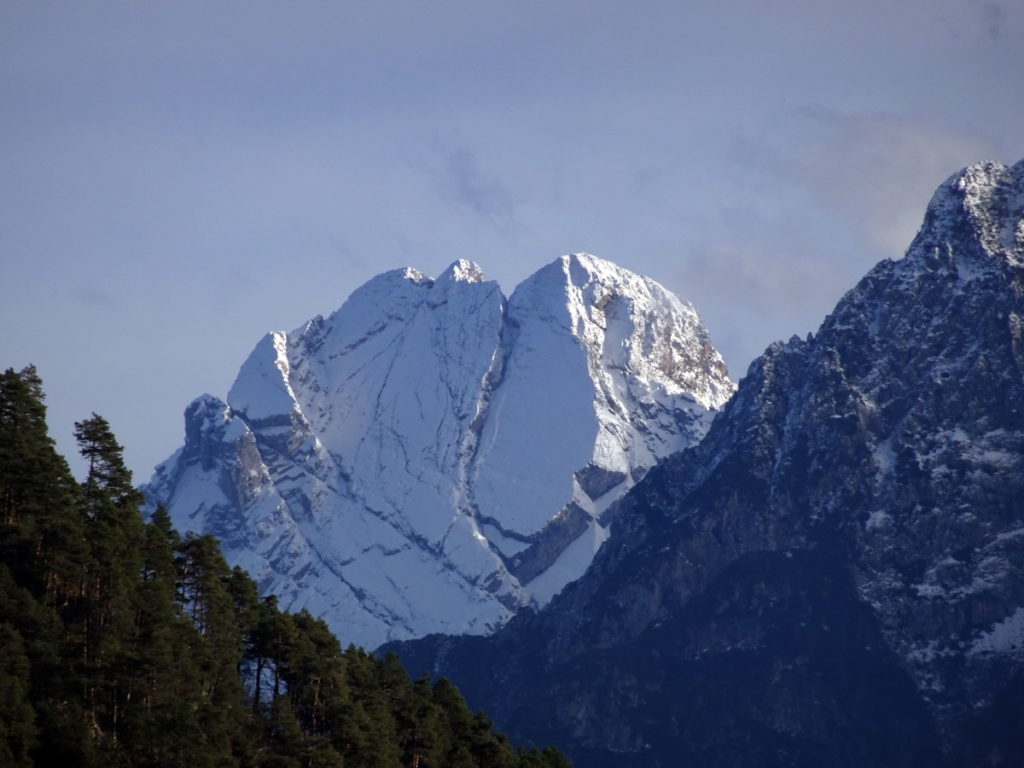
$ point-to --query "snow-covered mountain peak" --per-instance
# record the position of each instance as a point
(982, 203)
(462, 270)
(631, 323)
(431, 456)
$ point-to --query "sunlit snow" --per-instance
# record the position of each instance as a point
(396, 467)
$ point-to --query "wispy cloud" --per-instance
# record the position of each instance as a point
(770, 295)
(884, 167)
(459, 177)
(94, 297)
(994, 17)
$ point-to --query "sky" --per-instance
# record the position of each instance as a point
(178, 178)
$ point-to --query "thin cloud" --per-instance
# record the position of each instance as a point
(95, 298)
(766, 301)
(461, 180)
(994, 18)
(883, 167)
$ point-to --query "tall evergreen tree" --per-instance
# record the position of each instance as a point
(115, 532)
(206, 599)
(17, 716)
(41, 537)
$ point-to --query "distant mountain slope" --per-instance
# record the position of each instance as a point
(433, 457)
(835, 575)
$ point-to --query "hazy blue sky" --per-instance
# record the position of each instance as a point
(177, 178)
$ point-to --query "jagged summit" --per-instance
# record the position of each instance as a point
(983, 201)
(463, 270)
(433, 456)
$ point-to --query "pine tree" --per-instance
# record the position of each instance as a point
(206, 584)
(159, 723)
(110, 504)
(17, 716)
(41, 534)
(43, 561)
(315, 672)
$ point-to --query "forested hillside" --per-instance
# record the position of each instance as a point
(124, 644)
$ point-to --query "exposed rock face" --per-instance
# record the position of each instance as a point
(434, 457)
(835, 575)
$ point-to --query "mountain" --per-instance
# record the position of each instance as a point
(435, 457)
(835, 574)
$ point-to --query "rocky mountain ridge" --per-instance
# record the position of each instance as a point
(835, 574)
(434, 456)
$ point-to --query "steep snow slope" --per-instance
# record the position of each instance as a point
(433, 457)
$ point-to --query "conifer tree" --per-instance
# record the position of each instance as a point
(115, 533)
(17, 717)
(204, 578)
(41, 537)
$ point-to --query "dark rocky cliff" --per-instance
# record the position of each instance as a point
(835, 575)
